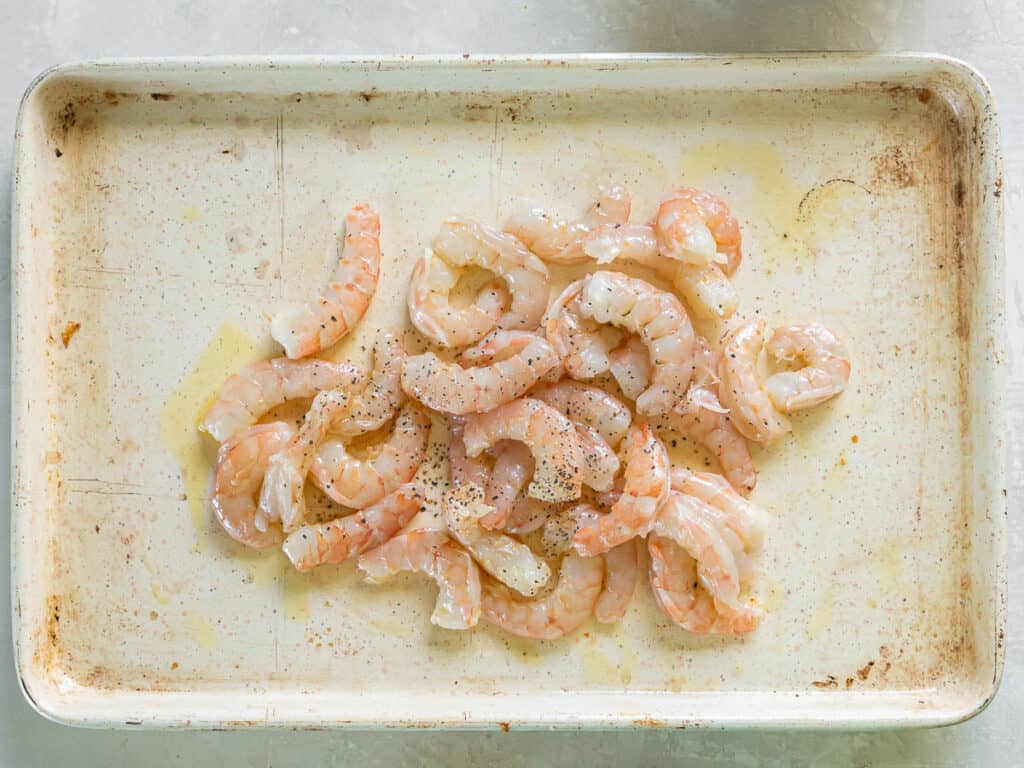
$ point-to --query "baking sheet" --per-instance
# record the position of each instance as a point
(164, 206)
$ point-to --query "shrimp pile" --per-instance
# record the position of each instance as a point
(561, 491)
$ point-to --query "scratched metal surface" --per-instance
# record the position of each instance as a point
(985, 33)
(177, 202)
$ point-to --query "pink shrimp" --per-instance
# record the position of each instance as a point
(257, 389)
(578, 340)
(741, 516)
(463, 469)
(695, 226)
(630, 366)
(432, 553)
(513, 468)
(338, 540)
(241, 463)
(559, 612)
(376, 403)
(645, 488)
(587, 405)
(620, 577)
(825, 374)
(741, 390)
(315, 326)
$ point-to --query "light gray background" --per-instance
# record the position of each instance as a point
(987, 33)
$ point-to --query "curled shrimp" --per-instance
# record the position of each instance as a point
(375, 405)
(620, 577)
(357, 483)
(555, 614)
(522, 358)
(824, 375)
(508, 560)
(464, 243)
(463, 469)
(677, 590)
(548, 434)
(241, 463)
(630, 366)
(696, 227)
(645, 487)
(338, 540)
(315, 326)
(703, 419)
(281, 497)
(600, 464)
(662, 324)
(741, 390)
(578, 340)
(558, 241)
(252, 392)
(739, 515)
(560, 528)
(707, 290)
(588, 405)
(431, 312)
(513, 468)
(432, 553)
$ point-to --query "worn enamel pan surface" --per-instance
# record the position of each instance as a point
(162, 207)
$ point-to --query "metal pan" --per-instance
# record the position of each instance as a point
(161, 206)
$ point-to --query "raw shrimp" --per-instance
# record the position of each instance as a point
(464, 243)
(450, 388)
(600, 464)
(706, 289)
(741, 390)
(513, 468)
(559, 612)
(703, 420)
(462, 469)
(742, 517)
(644, 490)
(588, 405)
(578, 340)
(677, 590)
(432, 553)
(548, 434)
(528, 514)
(315, 326)
(697, 227)
(662, 324)
(338, 540)
(508, 560)
(434, 316)
(560, 528)
(249, 394)
(558, 241)
(281, 497)
(376, 404)
(357, 483)
(620, 575)
(826, 371)
(630, 366)
(241, 463)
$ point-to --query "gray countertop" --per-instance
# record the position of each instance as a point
(987, 33)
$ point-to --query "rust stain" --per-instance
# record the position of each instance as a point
(161, 96)
(864, 671)
(829, 682)
(69, 331)
(893, 169)
(505, 726)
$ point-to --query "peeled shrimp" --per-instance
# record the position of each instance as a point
(528, 514)
(741, 390)
(703, 420)
(241, 463)
(464, 243)
(578, 340)
(825, 374)
(559, 612)
(508, 560)
(338, 540)
(645, 488)
(357, 483)
(522, 358)
(315, 326)
(436, 318)
(588, 405)
(548, 434)
(740, 516)
(432, 553)
(677, 590)
(707, 290)
(630, 366)
(375, 405)
(262, 386)
(281, 497)
(695, 227)
(463, 469)
(662, 324)
(558, 241)
(513, 468)
(620, 576)
(560, 528)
